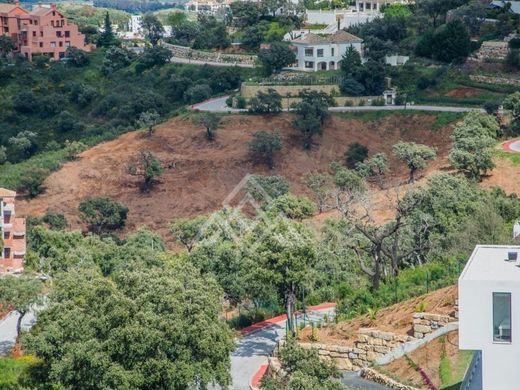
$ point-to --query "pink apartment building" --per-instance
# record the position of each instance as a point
(44, 30)
(12, 230)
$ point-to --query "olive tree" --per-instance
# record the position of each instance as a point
(264, 145)
(415, 156)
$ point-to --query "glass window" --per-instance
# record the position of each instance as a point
(320, 52)
(309, 52)
(332, 51)
(502, 317)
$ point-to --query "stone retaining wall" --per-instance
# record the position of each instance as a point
(492, 51)
(377, 377)
(199, 55)
(370, 345)
(426, 323)
(495, 80)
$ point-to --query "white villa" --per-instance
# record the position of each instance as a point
(489, 317)
(315, 52)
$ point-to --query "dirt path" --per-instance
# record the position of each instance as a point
(200, 174)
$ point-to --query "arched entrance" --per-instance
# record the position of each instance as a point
(332, 65)
(322, 66)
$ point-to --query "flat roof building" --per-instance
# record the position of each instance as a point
(489, 315)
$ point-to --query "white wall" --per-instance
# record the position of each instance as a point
(500, 362)
(339, 50)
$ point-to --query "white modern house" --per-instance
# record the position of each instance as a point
(489, 316)
(315, 52)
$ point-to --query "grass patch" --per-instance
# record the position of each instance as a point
(11, 174)
(513, 157)
(456, 371)
(14, 369)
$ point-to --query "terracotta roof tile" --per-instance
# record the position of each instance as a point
(338, 37)
(6, 193)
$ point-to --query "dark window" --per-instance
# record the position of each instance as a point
(61, 44)
(332, 51)
(502, 317)
(320, 52)
(41, 44)
(67, 34)
(34, 33)
(309, 52)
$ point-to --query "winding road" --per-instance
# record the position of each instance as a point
(8, 330)
(255, 346)
(219, 105)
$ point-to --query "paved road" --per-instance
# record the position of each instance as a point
(180, 60)
(252, 350)
(8, 330)
(219, 105)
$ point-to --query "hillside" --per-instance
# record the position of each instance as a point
(199, 175)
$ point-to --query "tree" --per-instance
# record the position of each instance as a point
(3, 154)
(55, 220)
(473, 143)
(286, 255)
(6, 45)
(148, 119)
(276, 57)
(303, 369)
(155, 56)
(106, 38)
(437, 9)
(74, 149)
(270, 187)
(148, 328)
(264, 145)
(355, 154)
(187, 230)
(291, 206)
(472, 15)
(146, 166)
(116, 58)
(311, 114)
(152, 28)
(210, 121)
(32, 181)
(197, 93)
(414, 156)
(350, 62)
(318, 183)
(20, 292)
(269, 102)
(77, 57)
(351, 87)
(451, 42)
(512, 103)
(102, 214)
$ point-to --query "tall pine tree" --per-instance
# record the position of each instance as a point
(106, 38)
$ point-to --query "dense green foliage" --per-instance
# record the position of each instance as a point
(303, 370)
(91, 103)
